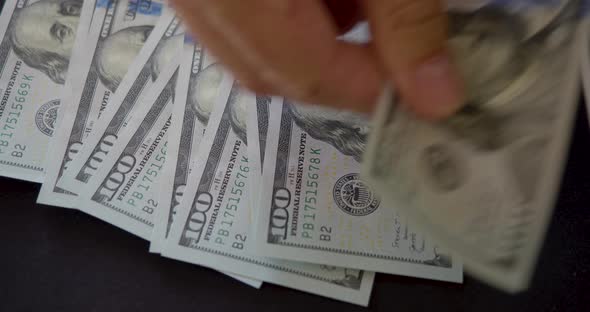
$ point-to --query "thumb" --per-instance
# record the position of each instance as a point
(411, 41)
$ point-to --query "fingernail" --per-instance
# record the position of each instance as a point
(441, 85)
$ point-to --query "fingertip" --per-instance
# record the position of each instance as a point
(433, 89)
(411, 41)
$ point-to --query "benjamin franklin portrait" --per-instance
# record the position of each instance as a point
(498, 58)
(346, 131)
(203, 89)
(164, 53)
(202, 98)
(238, 114)
(117, 52)
(512, 75)
(43, 34)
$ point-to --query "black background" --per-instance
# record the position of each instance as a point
(57, 259)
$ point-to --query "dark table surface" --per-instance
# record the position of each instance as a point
(57, 259)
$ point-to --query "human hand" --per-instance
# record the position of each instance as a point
(289, 48)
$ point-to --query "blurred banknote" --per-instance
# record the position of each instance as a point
(484, 181)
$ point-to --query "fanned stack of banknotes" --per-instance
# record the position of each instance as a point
(124, 116)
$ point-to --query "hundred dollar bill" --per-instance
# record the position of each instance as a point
(484, 181)
(142, 153)
(118, 31)
(166, 38)
(183, 139)
(198, 83)
(213, 220)
(314, 206)
(122, 191)
(35, 53)
(257, 131)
